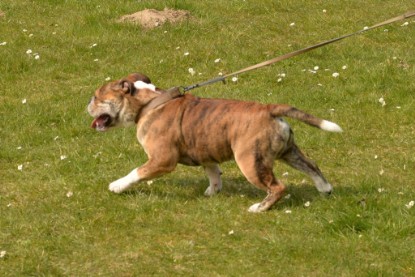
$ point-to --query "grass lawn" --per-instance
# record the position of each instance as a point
(57, 217)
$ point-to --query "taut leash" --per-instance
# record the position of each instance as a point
(295, 53)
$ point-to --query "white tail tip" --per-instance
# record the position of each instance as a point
(330, 126)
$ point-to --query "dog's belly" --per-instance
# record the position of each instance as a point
(205, 150)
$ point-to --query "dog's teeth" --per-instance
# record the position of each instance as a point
(330, 126)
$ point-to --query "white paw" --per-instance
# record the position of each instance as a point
(213, 189)
(210, 191)
(255, 208)
(325, 188)
(117, 186)
(125, 182)
(322, 185)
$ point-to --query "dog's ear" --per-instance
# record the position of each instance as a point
(134, 77)
(127, 86)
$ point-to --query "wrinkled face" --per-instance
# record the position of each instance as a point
(119, 102)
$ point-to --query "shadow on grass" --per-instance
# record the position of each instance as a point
(193, 188)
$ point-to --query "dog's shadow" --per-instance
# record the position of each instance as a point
(296, 195)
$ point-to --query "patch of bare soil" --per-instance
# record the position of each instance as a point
(151, 18)
(2, 13)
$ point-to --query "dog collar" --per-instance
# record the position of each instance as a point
(170, 94)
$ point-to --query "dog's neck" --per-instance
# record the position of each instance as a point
(159, 100)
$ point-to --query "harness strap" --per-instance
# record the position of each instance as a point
(165, 97)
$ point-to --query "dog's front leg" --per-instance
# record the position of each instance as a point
(149, 170)
(125, 182)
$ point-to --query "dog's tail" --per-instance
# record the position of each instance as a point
(291, 112)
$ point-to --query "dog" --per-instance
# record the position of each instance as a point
(180, 128)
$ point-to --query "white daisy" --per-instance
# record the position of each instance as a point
(410, 204)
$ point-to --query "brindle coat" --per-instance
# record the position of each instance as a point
(205, 132)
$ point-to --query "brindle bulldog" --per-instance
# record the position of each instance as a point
(175, 128)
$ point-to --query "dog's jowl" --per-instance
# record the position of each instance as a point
(175, 128)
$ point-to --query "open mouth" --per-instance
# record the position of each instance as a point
(102, 122)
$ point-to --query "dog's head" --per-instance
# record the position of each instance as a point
(119, 102)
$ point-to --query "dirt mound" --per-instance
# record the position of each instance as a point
(150, 18)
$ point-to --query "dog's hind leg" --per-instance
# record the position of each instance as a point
(215, 183)
(258, 170)
(295, 158)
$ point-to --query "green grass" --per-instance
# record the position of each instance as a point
(168, 228)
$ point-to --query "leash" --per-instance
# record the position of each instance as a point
(295, 53)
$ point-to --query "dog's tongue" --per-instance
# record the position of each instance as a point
(95, 123)
(100, 122)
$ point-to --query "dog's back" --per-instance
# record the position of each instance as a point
(211, 130)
